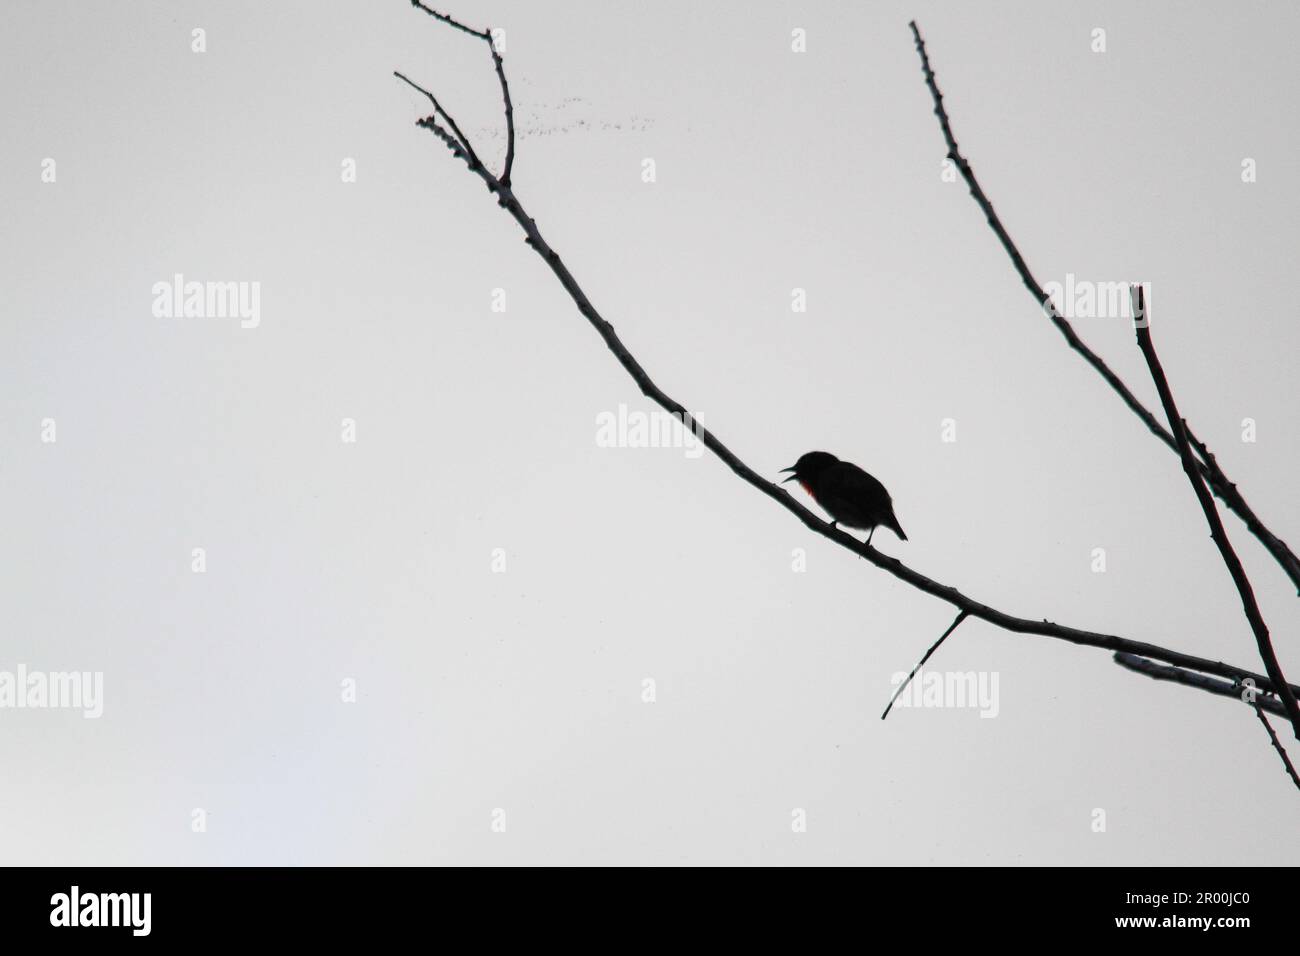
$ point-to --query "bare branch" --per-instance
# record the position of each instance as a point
(961, 616)
(1248, 603)
(507, 199)
(1213, 685)
(1209, 469)
(1222, 688)
(1277, 745)
(499, 65)
(509, 109)
(431, 123)
(468, 150)
(481, 34)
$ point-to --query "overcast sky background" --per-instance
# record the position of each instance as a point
(476, 431)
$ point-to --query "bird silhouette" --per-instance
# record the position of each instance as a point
(847, 493)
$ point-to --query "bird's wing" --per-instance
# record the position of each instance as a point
(846, 480)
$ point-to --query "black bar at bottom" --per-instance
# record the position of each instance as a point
(337, 906)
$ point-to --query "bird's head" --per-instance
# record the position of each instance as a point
(810, 466)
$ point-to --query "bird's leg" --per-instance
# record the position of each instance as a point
(833, 524)
(869, 534)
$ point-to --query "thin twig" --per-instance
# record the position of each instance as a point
(1223, 688)
(1230, 559)
(1277, 745)
(431, 123)
(481, 34)
(1224, 488)
(961, 616)
(509, 110)
(507, 199)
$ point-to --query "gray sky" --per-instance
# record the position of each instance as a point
(372, 561)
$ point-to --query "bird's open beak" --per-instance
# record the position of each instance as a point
(791, 478)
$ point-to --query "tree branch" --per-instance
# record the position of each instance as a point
(500, 67)
(481, 34)
(1212, 685)
(461, 139)
(507, 199)
(1208, 468)
(1223, 688)
(1248, 603)
(509, 110)
(961, 616)
(1277, 745)
(781, 495)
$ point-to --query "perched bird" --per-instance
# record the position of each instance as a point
(848, 494)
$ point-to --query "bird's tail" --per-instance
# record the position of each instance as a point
(897, 528)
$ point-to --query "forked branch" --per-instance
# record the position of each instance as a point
(1207, 466)
(500, 67)
(968, 607)
(1230, 559)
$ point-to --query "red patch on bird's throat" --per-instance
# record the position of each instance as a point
(806, 487)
